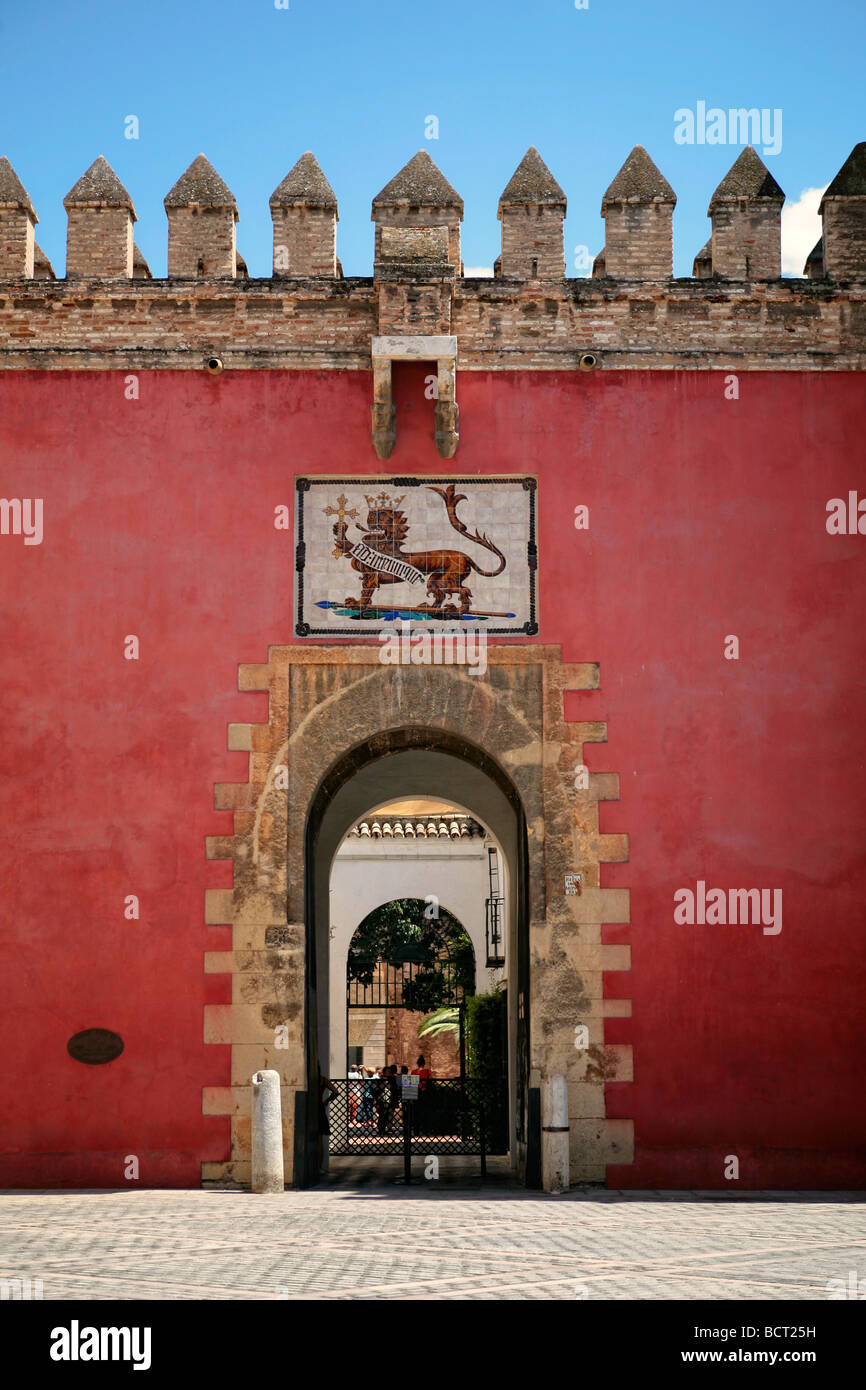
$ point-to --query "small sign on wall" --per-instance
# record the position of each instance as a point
(572, 885)
(371, 553)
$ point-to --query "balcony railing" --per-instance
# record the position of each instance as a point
(494, 912)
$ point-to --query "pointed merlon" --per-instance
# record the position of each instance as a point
(419, 184)
(532, 184)
(42, 267)
(304, 186)
(748, 177)
(814, 267)
(140, 268)
(639, 181)
(702, 267)
(850, 182)
(99, 186)
(200, 186)
(13, 194)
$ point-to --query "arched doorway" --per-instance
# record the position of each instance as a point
(397, 764)
(331, 717)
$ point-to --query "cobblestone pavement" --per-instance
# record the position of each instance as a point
(381, 1241)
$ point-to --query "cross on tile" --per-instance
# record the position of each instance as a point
(341, 511)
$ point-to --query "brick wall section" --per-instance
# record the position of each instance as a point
(309, 236)
(17, 242)
(413, 308)
(403, 1046)
(532, 243)
(201, 234)
(747, 240)
(638, 241)
(99, 242)
(844, 238)
(781, 326)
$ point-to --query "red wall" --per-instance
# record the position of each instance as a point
(707, 517)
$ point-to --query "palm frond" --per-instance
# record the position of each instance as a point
(444, 1020)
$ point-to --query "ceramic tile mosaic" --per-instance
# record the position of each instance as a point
(372, 552)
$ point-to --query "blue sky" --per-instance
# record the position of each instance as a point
(254, 86)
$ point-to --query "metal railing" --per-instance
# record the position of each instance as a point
(494, 914)
(388, 986)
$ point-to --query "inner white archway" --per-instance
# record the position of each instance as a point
(429, 850)
(449, 778)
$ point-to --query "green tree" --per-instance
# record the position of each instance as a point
(486, 1036)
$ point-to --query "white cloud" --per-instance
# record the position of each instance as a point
(478, 272)
(801, 228)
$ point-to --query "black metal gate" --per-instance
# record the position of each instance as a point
(451, 1115)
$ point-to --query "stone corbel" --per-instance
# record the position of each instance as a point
(441, 349)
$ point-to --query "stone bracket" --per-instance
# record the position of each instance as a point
(439, 348)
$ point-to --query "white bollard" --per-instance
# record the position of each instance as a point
(554, 1134)
(267, 1133)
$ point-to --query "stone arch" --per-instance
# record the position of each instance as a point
(325, 704)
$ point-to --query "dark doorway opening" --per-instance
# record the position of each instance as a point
(398, 763)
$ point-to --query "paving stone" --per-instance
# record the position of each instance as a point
(447, 1243)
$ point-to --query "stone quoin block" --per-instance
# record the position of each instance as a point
(616, 1008)
(273, 959)
(248, 1057)
(239, 737)
(219, 906)
(601, 905)
(237, 1100)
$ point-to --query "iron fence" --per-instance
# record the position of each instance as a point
(450, 1116)
(392, 984)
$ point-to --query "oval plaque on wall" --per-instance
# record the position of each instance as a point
(95, 1046)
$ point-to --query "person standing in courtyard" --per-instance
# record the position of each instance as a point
(327, 1091)
(422, 1071)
